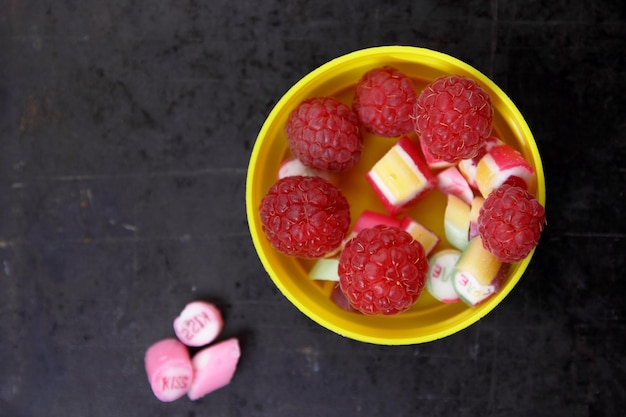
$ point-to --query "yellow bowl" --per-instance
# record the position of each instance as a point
(428, 319)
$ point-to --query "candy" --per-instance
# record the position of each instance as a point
(456, 222)
(293, 167)
(467, 167)
(501, 164)
(198, 324)
(432, 161)
(476, 272)
(439, 280)
(421, 233)
(214, 367)
(477, 203)
(401, 177)
(169, 369)
(450, 181)
(369, 219)
(325, 269)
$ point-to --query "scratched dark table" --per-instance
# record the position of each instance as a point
(126, 129)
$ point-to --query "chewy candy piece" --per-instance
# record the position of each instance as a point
(401, 177)
(421, 233)
(214, 367)
(477, 203)
(198, 324)
(439, 280)
(467, 167)
(476, 273)
(169, 369)
(369, 219)
(293, 167)
(432, 161)
(450, 181)
(501, 164)
(456, 222)
(325, 269)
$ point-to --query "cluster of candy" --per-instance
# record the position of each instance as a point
(171, 370)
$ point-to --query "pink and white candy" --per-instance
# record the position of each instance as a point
(467, 167)
(451, 181)
(501, 164)
(169, 369)
(293, 167)
(214, 367)
(369, 219)
(198, 324)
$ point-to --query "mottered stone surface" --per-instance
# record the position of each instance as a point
(125, 132)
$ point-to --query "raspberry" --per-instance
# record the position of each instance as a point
(384, 101)
(510, 223)
(324, 134)
(305, 216)
(382, 270)
(453, 117)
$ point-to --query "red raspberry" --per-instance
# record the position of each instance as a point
(453, 117)
(384, 101)
(510, 222)
(382, 270)
(305, 216)
(324, 134)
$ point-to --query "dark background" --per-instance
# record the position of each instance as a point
(125, 132)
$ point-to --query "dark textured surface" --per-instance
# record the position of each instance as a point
(125, 132)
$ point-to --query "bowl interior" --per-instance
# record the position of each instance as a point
(428, 319)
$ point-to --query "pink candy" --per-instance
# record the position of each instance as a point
(198, 324)
(171, 371)
(369, 219)
(214, 368)
(451, 181)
